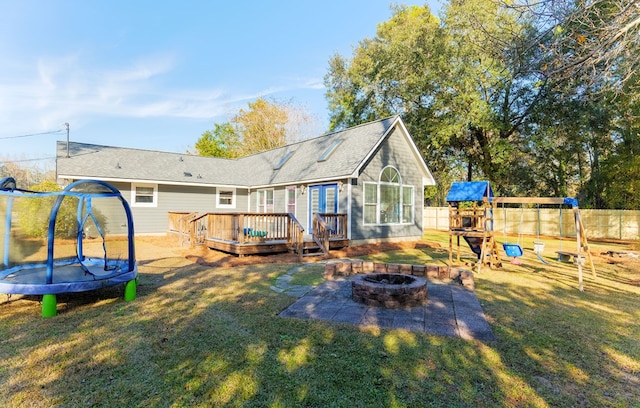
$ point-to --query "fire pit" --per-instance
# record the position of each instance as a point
(390, 290)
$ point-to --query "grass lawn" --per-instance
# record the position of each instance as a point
(203, 336)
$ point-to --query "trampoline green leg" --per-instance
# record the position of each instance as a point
(49, 303)
(130, 290)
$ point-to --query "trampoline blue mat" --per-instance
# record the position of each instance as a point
(66, 278)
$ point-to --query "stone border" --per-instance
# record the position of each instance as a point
(349, 268)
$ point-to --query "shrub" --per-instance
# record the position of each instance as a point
(34, 213)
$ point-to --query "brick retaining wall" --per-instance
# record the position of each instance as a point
(349, 268)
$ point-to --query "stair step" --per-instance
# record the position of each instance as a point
(313, 254)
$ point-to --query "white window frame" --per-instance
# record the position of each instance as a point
(226, 190)
(364, 203)
(288, 190)
(402, 206)
(134, 195)
(262, 207)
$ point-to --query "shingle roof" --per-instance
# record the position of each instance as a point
(117, 163)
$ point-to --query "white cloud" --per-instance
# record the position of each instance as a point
(63, 87)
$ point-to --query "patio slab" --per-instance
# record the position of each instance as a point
(451, 310)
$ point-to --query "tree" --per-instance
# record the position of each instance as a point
(541, 98)
(594, 43)
(35, 211)
(222, 142)
(464, 86)
(264, 125)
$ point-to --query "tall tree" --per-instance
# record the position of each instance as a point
(264, 125)
(464, 85)
(591, 43)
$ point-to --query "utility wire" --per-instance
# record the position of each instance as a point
(26, 160)
(31, 134)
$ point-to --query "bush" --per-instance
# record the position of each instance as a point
(34, 213)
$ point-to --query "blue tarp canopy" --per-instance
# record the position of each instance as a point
(469, 191)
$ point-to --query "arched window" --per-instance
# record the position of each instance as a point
(389, 175)
(388, 201)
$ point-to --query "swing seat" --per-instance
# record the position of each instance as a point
(512, 249)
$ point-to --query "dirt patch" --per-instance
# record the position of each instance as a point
(150, 247)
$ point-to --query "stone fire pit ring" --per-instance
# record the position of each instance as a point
(389, 290)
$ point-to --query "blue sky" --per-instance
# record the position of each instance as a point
(157, 74)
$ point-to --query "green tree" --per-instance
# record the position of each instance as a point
(538, 97)
(34, 213)
(222, 141)
(464, 85)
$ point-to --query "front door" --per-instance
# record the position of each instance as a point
(323, 199)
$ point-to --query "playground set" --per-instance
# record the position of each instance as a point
(472, 208)
(75, 240)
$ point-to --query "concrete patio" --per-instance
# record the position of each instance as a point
(451, 310)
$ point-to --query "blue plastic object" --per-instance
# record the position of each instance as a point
(470, 191)
(512, 249)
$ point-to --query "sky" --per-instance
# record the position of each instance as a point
(157, 74)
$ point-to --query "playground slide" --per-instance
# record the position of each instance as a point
(475, 243)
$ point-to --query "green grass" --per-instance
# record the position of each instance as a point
(308, 275)
(210, 337)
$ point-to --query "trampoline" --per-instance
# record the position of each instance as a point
(75, 240)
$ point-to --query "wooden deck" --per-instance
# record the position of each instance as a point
(259, 233)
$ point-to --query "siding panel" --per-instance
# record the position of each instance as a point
(396, 152)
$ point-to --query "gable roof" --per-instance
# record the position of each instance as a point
(353, 147)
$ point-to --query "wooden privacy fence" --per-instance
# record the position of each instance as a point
(598, 224)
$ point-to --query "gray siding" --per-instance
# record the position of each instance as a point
(154, 220)
(395, 152)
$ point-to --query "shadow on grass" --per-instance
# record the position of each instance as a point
(208, 336)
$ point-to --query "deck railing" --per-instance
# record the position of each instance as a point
(296, 234)
(238, 227)
(321, 231)
(326, 226)
(256, 228)
(336, 225)
(189, 226)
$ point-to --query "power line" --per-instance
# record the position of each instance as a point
(26, 160)
(31, 134)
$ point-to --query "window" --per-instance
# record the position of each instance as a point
(291, 200)
(407, 204)
(144, 195)
(370, 203)
(388, 201)
(265, 201)
(226, 198)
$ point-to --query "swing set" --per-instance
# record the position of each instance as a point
(582, 246)
(474, 222)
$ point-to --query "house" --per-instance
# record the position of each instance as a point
(373, 174)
